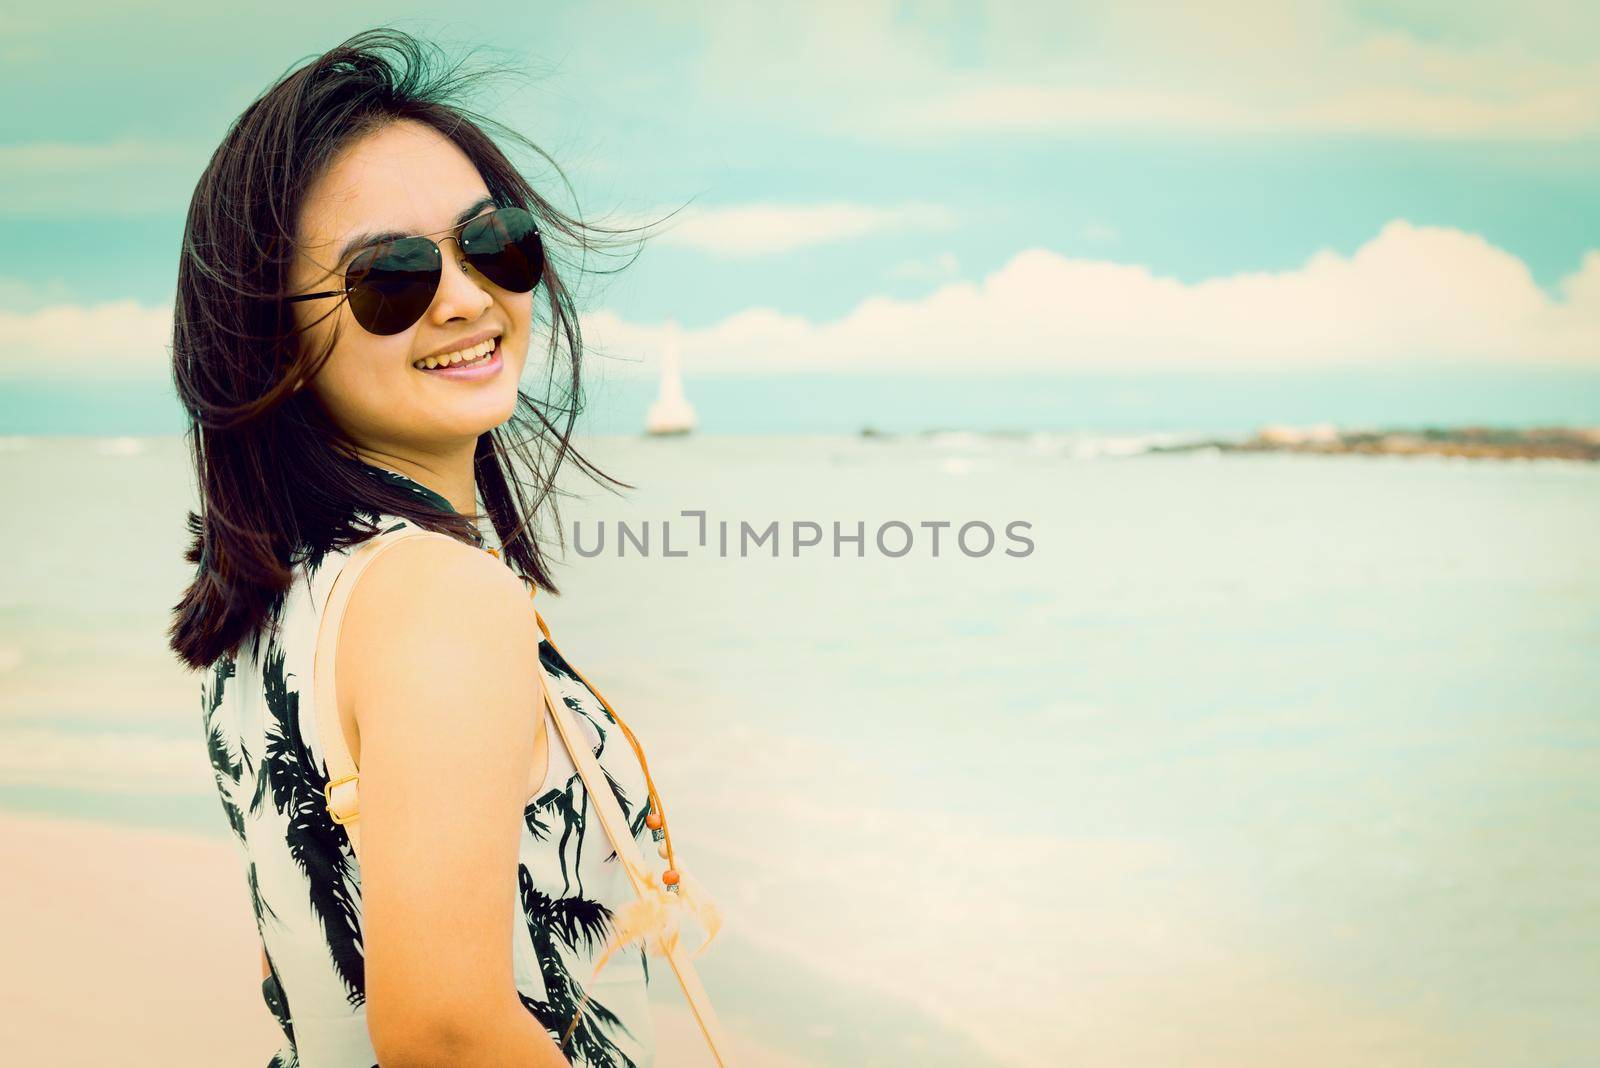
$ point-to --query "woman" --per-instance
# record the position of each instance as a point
(355, 308)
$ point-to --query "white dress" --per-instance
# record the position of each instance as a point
(305, 885)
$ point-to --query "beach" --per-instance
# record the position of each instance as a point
(127, 945)
(1253, 759)
(136, 946)
(1089, 515)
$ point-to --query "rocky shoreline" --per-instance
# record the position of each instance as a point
(1470, 442)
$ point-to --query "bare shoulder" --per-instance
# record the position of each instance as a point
(434, 609)
(441, 659)
(420, 575)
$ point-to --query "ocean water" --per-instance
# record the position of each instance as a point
(1248, 760)
(618, 393)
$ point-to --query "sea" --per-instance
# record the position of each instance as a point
(1081, 753)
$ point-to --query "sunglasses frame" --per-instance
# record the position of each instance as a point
(454, 232)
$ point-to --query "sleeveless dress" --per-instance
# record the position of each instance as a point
(258, 716)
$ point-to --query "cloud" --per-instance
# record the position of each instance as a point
(60, 157)
(762, 229)
(119, 337)
(1101, 233)
(1235, 67)
(939, 267)
(1387, 110)
(124, 176)
(1411, 294)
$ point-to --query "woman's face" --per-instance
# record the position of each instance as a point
(409, 179)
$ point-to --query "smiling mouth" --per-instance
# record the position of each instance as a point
(473, 357)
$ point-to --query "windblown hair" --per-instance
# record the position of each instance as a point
(277, 481)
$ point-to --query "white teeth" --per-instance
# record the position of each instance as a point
(459, 356)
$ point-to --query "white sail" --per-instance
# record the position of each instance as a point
(671, 413)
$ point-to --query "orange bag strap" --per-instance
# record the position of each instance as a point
(343, 796)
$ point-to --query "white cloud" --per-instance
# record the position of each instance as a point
(57, 157)
(115, 337)
(128, 175)
(761, 229)
(1101, 233)
(1556, 113)
(1229, 67)
(1411, 294)
(936, 267)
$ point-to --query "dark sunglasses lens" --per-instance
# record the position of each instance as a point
(505, 247)
(392, 285)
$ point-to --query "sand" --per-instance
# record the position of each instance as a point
(137, 946)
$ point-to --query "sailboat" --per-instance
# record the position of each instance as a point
(671, 412)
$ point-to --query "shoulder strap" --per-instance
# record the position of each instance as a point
(340, 793)
(343, 798)
(615, 824)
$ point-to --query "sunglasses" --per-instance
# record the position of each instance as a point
(391, 284)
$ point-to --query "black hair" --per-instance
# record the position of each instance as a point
(277, 486)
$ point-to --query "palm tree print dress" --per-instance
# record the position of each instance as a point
(305, 885)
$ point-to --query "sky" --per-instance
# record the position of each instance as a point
(902, 189)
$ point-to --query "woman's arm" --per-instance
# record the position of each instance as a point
(438, 656)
